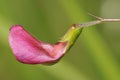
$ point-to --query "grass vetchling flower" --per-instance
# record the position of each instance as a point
(29, 50)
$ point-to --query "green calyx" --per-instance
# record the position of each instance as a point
(71, 36)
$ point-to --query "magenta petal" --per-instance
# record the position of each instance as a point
(29, 50)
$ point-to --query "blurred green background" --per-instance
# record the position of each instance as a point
(96, 54)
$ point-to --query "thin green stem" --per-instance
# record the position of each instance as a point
(100, 20)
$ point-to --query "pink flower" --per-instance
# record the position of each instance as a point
(29, 50)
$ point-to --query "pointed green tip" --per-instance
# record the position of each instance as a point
(71, 36)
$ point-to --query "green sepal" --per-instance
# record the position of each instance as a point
(71, 36)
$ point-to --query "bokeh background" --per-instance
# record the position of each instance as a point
(96, 54)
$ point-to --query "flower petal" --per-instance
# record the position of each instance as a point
(29, 50)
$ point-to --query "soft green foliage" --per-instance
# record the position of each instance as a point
(95, 56)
